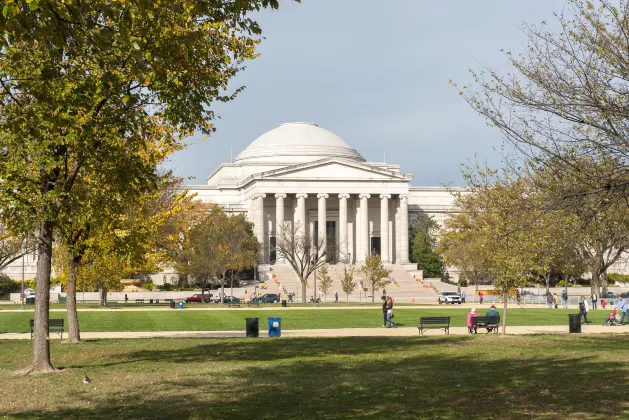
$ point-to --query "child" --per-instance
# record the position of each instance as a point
(603, 303)
(612, 318)
(471, 326)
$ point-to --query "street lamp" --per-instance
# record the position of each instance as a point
(22, 278)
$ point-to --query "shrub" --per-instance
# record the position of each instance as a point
(462, 282)
(6, 284)
(583, 282)
(613, 278)
(166, 287)
(148, 286)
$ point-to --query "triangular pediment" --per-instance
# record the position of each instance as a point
(333, 169)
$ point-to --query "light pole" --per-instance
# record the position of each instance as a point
(22, 278)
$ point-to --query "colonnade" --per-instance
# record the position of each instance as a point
(362, 234)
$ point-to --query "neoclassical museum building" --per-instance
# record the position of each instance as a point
(302, 174)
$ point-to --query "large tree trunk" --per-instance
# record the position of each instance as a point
(303, 291)
(596, 276)
(103, 296)
(604, 285)
(41, 344)
(223, 289)
(74, 335)
(547, 281)
(504, 316)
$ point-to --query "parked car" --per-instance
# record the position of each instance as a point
(230, 300)
(269, 298)
(449, 297)
(196, 298)
(612, 295)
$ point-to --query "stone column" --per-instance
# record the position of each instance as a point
(364, 226)
(279, 222)
(301, 215)
(384, 227)
(259, 223)
(403, 228)
(343, 239)
(322, 219)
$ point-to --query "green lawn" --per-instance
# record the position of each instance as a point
(436, 377)
(220, 320)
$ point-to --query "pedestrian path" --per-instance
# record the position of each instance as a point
(337, 332)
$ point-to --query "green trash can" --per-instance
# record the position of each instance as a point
(62, 299)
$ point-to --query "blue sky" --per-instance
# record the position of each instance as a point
(377, 77)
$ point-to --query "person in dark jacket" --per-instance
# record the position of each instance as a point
(385, 308)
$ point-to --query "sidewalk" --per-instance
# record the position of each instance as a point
(340, 332)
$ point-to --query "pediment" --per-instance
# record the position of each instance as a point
(336, 169)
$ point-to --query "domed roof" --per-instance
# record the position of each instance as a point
(297, 142)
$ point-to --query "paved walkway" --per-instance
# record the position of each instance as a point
(340, 332)
(191, 307)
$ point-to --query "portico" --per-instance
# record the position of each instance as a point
(358, 222)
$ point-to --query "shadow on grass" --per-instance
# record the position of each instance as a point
(271, 350)
(401, 378)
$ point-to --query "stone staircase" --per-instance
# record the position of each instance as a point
(404, 287)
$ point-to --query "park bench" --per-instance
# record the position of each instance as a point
(256, 304)
(434, 322)
(489, 322)
(54, 326)
(233, 305)
(139, 301)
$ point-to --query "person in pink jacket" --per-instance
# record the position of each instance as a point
(471, 327)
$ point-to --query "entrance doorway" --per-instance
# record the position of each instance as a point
(330, 230)
(375, 245)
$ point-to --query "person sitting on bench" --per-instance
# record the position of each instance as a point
(492, 312)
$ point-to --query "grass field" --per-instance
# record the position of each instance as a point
(222, 320)
(517, 377)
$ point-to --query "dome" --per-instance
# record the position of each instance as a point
(297, 142)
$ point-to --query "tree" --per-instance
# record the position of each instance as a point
(305, 255)
(12, 248)
(139, 219)
(172, 238)
(462, 249)
(423, 253)
(374, 273)
(107, 88)
(565, 100)
(325, 280)
(218, 243)
(348, 285)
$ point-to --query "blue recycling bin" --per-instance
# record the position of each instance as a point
(180, 305)
(275, 327)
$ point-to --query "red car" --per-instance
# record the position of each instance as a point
(197, 298)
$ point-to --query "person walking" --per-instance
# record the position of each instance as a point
(594, 300)
(564, 299)
(583, 309)
(555, 300)
(390, 312)
(126, 298)
(385, 308)
(463, 296)
(336, 297)
(549, 300)
(480, 297)
(622, 306)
